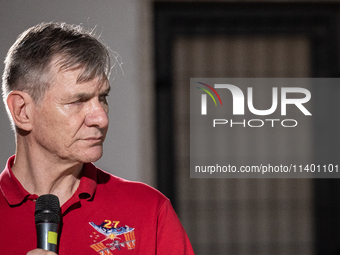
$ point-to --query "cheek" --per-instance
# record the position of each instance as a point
(70, 116)
(61, 117)
(52, 127)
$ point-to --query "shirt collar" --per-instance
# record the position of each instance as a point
(11, 188)
(88, 182)
(16, 194)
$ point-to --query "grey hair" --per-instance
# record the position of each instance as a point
(28, 61)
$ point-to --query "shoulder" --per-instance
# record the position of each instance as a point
(133, 191)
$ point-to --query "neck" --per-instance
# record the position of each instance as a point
(40, 175)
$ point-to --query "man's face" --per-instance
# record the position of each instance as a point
(71, 121)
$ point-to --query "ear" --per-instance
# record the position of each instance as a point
(19, 104)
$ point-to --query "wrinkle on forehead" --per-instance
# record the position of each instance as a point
(88, 71)
(70, 90)
(83, 76)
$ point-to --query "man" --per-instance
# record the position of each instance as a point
(55, 86)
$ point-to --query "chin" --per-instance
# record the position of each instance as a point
(92, 155)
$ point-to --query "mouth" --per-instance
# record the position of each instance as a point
(96, 140)
(93, 138)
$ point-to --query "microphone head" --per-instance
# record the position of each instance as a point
(47, 209)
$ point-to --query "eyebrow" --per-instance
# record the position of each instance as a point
(89, 95)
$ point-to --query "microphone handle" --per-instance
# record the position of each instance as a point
(47, 236)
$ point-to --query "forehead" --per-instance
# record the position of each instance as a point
(67, 81)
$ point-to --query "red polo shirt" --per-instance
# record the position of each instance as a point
(106, 215)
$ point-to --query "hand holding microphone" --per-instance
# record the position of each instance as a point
(40, 252)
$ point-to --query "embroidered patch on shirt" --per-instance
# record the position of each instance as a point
(108, 237)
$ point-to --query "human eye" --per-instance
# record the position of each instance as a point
(80, 100)
(103, 98)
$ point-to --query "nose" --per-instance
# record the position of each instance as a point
(97, 115)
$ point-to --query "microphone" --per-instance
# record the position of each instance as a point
(47, 217)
